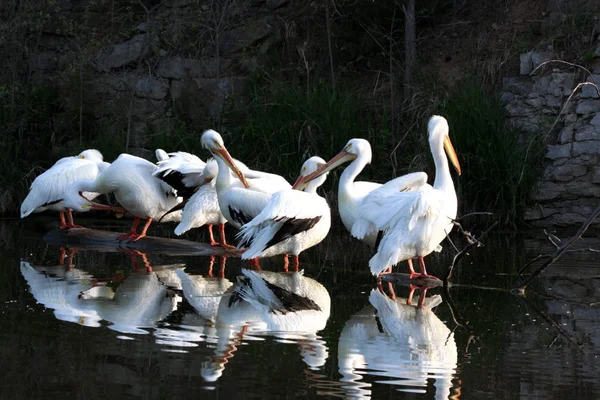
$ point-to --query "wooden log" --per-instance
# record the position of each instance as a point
(93, 239)
(404, 279)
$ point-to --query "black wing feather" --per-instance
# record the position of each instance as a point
(175, 180)
(291, 227)
(291, 301)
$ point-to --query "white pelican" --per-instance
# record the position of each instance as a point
(408, 345)
(291, 221)
(130, 179)
(242, 200)
(195, 181)
(47, 192)
(351, 193)
(416, 218)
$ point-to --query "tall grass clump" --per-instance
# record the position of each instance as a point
(500, 163)
(285, 123)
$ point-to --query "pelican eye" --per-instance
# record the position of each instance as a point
(349, 147)
(82, 157)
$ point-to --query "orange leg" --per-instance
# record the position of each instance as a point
(210, 266)
(423, 274)
(70, 223)
(296, 263)
(211, 237)
(222, 238)
(286, 263)
(392, 294)
(63, 223)
(144, 231)
(255, 264)
(61, 259)
(222, 267)
(132, 231)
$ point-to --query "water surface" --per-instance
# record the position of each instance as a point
(97, 323)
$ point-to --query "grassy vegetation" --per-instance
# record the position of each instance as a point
(500, 164)
(285, 123)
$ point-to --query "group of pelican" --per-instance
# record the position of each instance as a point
(404, 218)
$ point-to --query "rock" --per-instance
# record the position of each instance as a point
(566, 135)
(586, 132)
(516, 109)
(589, 91)
(183, 68)
(275, 4)
(214, 94)
(151, 87)
(526, 66)
(585, 147)
(587, 107)
(559, 151)
(537, 102)
(245, 37)
(570, 118)
(595, 122)
(567, 172)
(122, 54)
(539, 57)
(517, 85)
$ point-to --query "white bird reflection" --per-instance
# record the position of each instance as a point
(139, 301)
(58, 287)
(286, 305)
(407, 344)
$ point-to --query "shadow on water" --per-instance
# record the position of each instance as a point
(108, 322)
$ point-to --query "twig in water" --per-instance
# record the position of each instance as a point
(520, 289)
(472, 243)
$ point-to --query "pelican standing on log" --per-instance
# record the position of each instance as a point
(48, 190)
(137, 191)
(414, 220)
(291, 221)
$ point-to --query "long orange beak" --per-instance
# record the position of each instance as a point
(300, 183)
(452, 154)
(224, 154)
(96, 206)
(341, 158)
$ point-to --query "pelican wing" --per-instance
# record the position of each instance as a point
(287, 213)
(49, 187)
(245, 204)
(378, 208)
(201, 209)
(271, 298)
(182, 171)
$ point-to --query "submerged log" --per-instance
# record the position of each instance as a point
(93, 239)
(404, 279)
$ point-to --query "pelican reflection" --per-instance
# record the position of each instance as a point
(405, 344)
(286, 305)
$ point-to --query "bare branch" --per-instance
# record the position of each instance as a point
(473, 242)
(520, 289)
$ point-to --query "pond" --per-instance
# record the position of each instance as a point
(97, 322)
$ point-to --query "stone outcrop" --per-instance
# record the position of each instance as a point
(156, 67)
(569, 188)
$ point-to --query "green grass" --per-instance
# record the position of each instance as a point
(285, 124)
(500, 164)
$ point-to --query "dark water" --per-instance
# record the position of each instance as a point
(99, 324)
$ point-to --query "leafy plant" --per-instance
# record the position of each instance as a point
(500, 163)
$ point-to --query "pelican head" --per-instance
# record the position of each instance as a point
(438, 129)
(308, 168)
(92, 155)
(213, 141)
(352, 150)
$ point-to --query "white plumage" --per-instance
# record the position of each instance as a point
(47, 192)
(58, 288)
(415, 216)
(291, 220)
(406, 344)
(135, 188)
(138, 302)
(243, 199)
(203, 293)
(286, 301)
